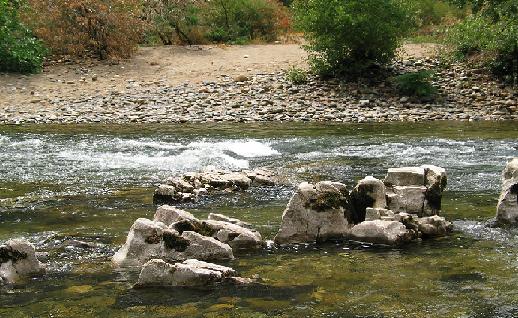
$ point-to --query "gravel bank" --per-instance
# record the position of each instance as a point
(464, 95)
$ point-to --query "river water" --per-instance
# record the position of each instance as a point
(63, 184)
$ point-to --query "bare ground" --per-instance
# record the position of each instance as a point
(172, 65)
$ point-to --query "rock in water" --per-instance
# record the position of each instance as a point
(315, 213)
(507, 208)
(433, 226)
(415, 189)
(369, 193)
(18, 261)
(381, 232)
(190, 273)
(149, 239)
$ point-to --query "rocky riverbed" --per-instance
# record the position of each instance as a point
(464, 94)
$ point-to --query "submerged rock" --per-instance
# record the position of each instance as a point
(150, 239)
(191, 185)
(434, 226)
(315, 213)
(507, 208)
(381, 232)
(190, 273)
(18, 261)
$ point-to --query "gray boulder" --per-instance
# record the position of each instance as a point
(236, 236)
(150, 239)
(224, 218)
(368, 193)
(409, 199)
(168, 215)
(190, 273)
(507, 207)
(434, 226)
(406, 176)
(381, 232)
(315, 213)
(18, 261)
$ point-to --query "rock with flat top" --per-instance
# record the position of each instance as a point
(409, 199)
(168, 215)
(18, 261)
(381, 232)
(406, 176)
(315, 213)
(190, 273)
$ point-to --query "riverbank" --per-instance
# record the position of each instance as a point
(225, 84)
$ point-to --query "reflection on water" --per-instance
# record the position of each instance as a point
(74, 191)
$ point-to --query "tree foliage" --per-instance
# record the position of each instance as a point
(20, 51)
(348, 36)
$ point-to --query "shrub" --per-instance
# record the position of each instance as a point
(175, 21)
(20, 51)
(346, 37)
(244, 20)
(104, 28)
(415, 84)
(489, 38)
(297, 76)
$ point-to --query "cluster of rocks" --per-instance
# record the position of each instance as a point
(18, 261)
(190, 186)
(464, 95)
(507, 208)
(174, 236)
(400, 209)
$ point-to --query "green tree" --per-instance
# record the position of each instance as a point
(346, 37)
(20, 51)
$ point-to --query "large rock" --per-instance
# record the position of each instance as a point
(435, 183)
(150, 239)
(169, 215)
(381, 232)
(190, 186)
(315, 213)
(406, 176)
(434, 226)
(507, 208)
(224, 229)
(236, 236)
(190, 273)
(369, 193)
(415, 189)
(409, 199)
(18, 261)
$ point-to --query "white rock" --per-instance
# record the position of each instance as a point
(236, 236)
(406, 176)
(149, 239)
(168, 214)
(409, 199)
(380, 232)
(368, 193)
(224, 218)
(434, 226)
(190, 273)
(18, 261)
(315, 213)
(507, 207)
(510, 170)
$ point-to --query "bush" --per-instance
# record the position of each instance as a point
(297, 76)
(489, 38)
(104, 28)
(416, 84)
(346, 37)
(20, 51)
(244, 20)
(175, 21)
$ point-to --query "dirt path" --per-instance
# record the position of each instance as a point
(171, 65)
